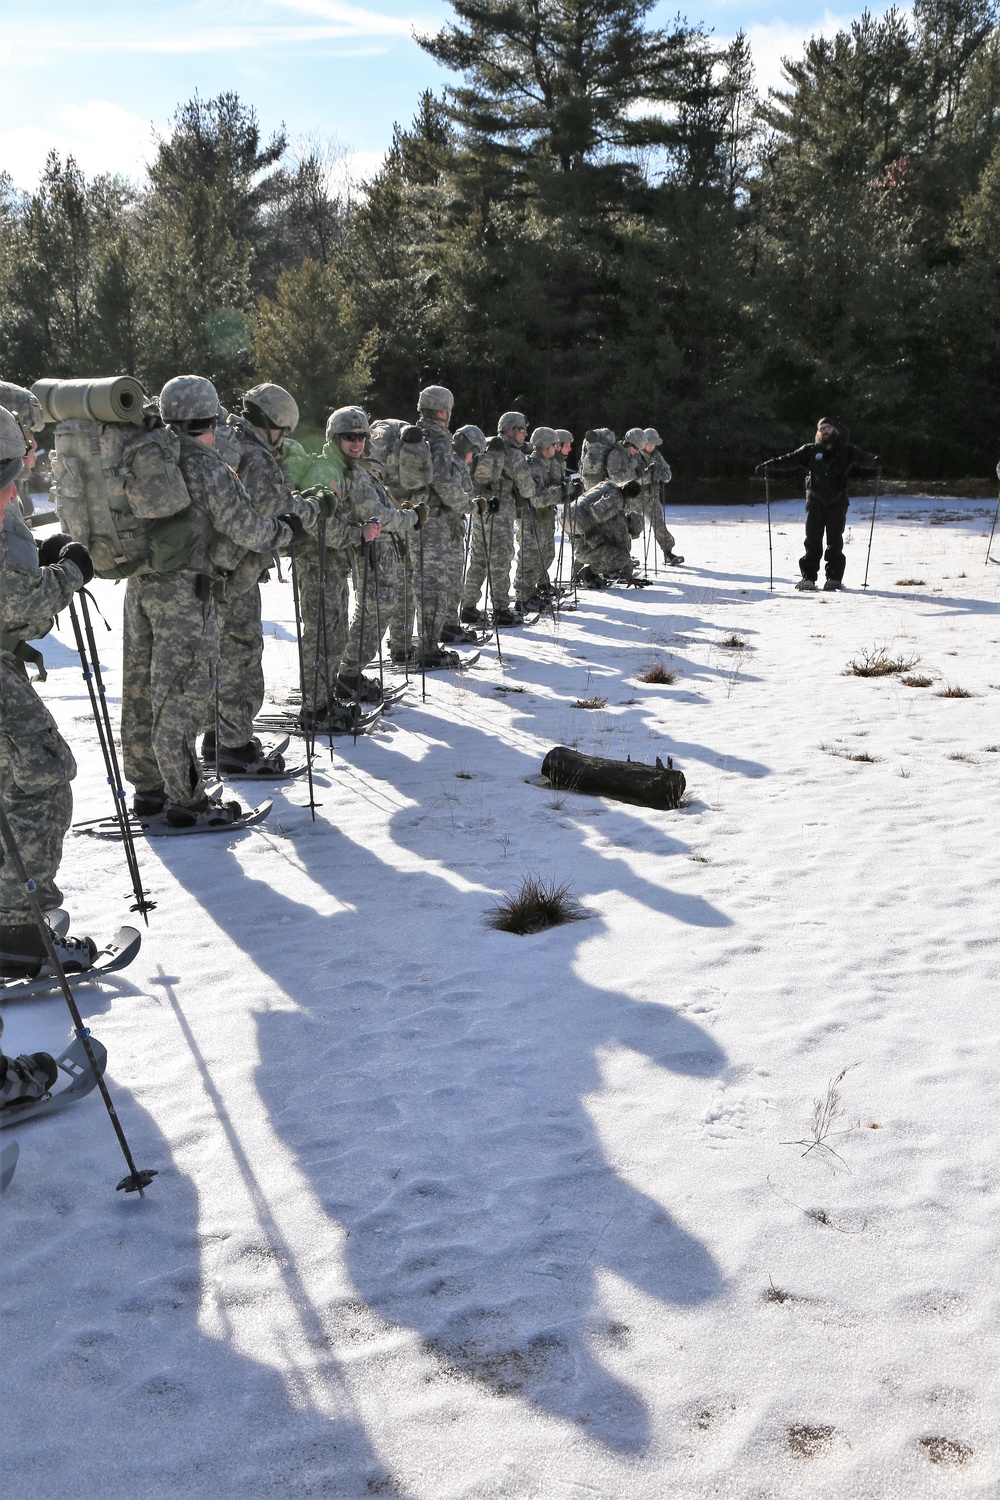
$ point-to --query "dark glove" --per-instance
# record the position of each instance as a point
(50, 548)
(411, 435)
(495, 444)
(295, 526)
(493, 504)
(77, 554)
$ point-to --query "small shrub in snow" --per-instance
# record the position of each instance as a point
(826, 1112)
(808, 1442)
(917, 681)
(595, 702)
(535, 907)
(942, 1450)
(658, 673)
(911, 583)
(733, 643)
(878, 663)
(953, 692)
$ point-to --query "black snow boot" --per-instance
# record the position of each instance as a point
(23, 956)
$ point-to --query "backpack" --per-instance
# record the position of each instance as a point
(400, 456)
(487, 471)
(112, 482)
(597, 444)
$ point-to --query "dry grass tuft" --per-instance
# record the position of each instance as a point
(659, 673)
(808, 1442)
(970, 760)
(911, 583)
(595, 702)
(917, 681)
(733, 643)
(877, 662)
(992, 749)
(537, 905)
(858, 755)
(953, 692)
(942, 1450)
(506, 687)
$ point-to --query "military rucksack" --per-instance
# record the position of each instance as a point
(115, 476)
(487, 471)
(597, 444)
(400, 456)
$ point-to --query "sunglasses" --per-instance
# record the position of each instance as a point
(353, 437)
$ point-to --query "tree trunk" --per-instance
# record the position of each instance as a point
(625, 781)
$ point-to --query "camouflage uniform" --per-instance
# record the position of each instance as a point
(171, 635)
(601, 536)
(240, 673)
(469, 439)
(448, 498)
(514, 479)
(537, 523)
(323, 560)
(36, 764)
(362, 499)
(655, 473)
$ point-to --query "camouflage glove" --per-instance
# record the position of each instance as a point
(77, 554)
(326, 498)
(49, 550)
(308, 511)
(423, 513)
(294, 526)
(481, 502)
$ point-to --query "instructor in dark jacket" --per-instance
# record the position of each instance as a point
(827, 463)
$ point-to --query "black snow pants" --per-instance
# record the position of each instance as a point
(831, 517)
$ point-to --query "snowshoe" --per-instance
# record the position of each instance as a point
(23, 954)
(118, 954)
(75, 1063)
(806, 586)
(508, 619)
(454, 635)
(248, 761)
(27, 1077)
(347, 688)
(182, 815)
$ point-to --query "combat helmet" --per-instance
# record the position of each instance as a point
(563, 436)
(346, 419)
(652, 436)
(12, 447)
(190, 401)
(544, 437)
(271, 406)
(470, 439)
(435, 398)
(635, 437)
(512, 419)
(23, 406)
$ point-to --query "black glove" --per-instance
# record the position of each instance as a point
(493, 504)
(496, 444)
(77, 554)
(411, 435)
(50, 548)
(631, 488)
(295, 526)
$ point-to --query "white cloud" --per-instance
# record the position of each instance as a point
(102, 137)
(772, 40)
(353, 20)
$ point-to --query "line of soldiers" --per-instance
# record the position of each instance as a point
(419, 559)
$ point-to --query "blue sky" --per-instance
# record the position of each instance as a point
(99, 77)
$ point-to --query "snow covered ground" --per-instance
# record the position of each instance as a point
(444, 1212)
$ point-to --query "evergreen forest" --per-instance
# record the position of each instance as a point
(598, 221)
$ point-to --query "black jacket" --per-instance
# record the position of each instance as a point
(826, 468)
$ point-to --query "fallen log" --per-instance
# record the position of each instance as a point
(625, 781)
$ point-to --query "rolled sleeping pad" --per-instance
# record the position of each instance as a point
(626, 781)
(115, 398)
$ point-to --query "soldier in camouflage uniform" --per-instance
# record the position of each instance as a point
(653, 476)
(365, 510)
(36, 764)
(499, 476)
(604, 521)
(448, 500)
(27, 412)
(269, 414)
(171, 636)
(537, 523)
(469, 444)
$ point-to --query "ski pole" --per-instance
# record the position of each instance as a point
(378, 624)
(490, 596)
(562, 539)
(361, 643)
(322, 634)
(541, 561)
(307, 716)
(408, 638)
(102, 718)
(871, 533)
(993, 528)
(420, 632)
(136, 1180)
(770, 548)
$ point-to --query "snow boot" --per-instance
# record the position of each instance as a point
(441, 661)
(672, 559)
(189, 815)
(508, 619)
(469, 614)
(832, 586)
(27, 1077)
(806, 586)
(23, 956)
(589, 578)
(149, 804)
(249, 757)
(347, 688)
(454, 635)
